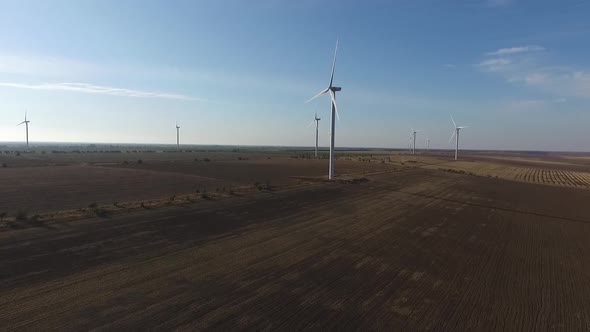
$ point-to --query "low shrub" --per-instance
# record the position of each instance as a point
(100, 212)
(36, 219)
(22, 215)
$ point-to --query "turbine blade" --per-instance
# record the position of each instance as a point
(333, 64)
(454, 124)
(333, 96)
(20, 123)
(452, 135)
(319, 94)
(309, 125)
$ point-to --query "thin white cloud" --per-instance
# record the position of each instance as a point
(47, 66)
(494, 65)
(561, 82)
(516, 50)
(97, 89)
(526, 69)
(526, 105)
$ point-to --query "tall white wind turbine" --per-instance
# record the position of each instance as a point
(177, 137)
(317, 125)
(456, 135)
(26, 122)
(414, 132)
(334, 111)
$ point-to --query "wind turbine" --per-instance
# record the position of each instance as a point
(414, 133)
(26, 122)
(317, 125)
(456, 135)
(428, 144)
(334, 111)
(177, 137)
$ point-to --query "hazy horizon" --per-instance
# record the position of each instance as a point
(238, 73)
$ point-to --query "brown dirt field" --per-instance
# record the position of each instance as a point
(246, 172)
(413, 250)
(50, 188)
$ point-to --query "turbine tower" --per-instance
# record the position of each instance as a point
(26, 122)
(456, 135)
(317, 125)
(177, 137)
(414, 133)
(428, 144)
(334, 111)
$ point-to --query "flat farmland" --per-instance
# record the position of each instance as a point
(49, 188)
(416, 249)
(246, 172)
(540, 174)
(58, 185)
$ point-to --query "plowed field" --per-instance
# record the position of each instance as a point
(417, 249)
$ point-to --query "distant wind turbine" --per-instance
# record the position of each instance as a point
(317, 125)
(428, 144)
(334, 111)
(414, 133)
(456, 135)
(26, 122)
(177, 137)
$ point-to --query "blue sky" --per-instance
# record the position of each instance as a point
(238, 72)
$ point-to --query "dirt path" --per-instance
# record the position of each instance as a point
(416, 250)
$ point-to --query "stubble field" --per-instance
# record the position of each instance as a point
(410, 247)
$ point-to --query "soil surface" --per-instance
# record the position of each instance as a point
(410, 249)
